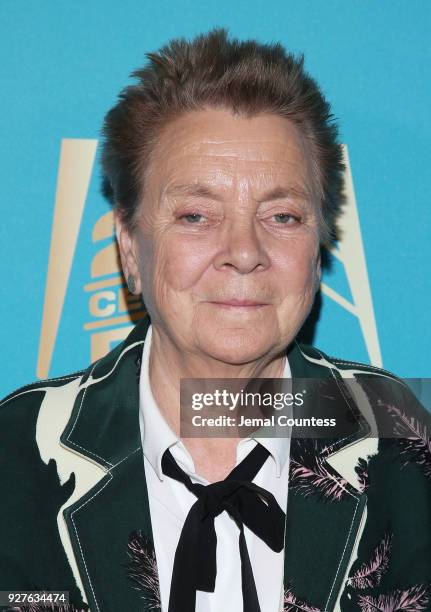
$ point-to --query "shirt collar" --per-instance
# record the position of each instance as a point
(157, 436)
(278, 447)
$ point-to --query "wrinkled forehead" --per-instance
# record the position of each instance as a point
(230, 153)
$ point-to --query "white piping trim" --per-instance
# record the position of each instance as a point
(344, 552)
(54, 413)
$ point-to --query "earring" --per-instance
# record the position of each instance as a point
(131, 285)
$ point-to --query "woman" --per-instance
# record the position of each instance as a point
(224, 169)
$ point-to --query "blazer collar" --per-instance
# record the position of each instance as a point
(104, 424)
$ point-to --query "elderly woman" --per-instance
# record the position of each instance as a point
(225, 172)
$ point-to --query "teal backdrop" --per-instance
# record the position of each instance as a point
(63, 64)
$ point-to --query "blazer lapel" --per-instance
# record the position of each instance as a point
(109, 522)
(326, 507)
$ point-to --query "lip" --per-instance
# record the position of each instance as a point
(234, 303)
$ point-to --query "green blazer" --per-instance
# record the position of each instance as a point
(74, 511)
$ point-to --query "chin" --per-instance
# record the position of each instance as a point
(236, 348)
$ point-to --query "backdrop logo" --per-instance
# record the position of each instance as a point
(111, 309)
(350, 253)
(110, 306)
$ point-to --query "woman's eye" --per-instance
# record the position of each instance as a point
(192, 217)
(285, 218)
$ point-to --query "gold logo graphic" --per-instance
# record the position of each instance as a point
(112, 309)
(351, 254)
(110, 305)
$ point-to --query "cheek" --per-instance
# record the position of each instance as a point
(297, 269)
(179, 262)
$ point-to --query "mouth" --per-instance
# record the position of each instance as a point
(243, 304)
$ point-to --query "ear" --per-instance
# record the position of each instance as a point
(128, 253)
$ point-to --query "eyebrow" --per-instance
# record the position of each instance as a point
(194, 190)
(198, 190)
(282, 193)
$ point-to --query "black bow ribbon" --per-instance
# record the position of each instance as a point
(195, 565)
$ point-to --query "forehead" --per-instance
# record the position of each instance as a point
(217, 146)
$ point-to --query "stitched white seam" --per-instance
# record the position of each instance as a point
(364, 366)
(75, 445)
(124, 458)
(27, 389)
(77, 536)
(23, 393)
(353, 363)
(94, 381)
(374, 371)
(82, 400)
(76, 419)
(75, 375)
(84, 504)
(358, 363)
(344, 552)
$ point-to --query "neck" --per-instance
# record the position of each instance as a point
(168, 364)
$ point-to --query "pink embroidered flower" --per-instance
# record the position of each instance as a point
(310, 474)
(293, 603)
(416, 442)
(414, 599)
(370, 574)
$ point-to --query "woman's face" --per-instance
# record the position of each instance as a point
(226, 248)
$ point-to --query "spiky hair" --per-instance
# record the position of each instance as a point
(212, 70)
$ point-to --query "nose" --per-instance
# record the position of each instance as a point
(241, 247)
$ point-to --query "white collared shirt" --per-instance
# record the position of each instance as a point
(170, 502)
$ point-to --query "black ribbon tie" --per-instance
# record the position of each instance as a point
(195, 567)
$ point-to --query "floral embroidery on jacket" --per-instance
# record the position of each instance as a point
(293, 603)
(414, 599)
(142, 569)
(370, 574)
(416, 442)
(310, 473)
